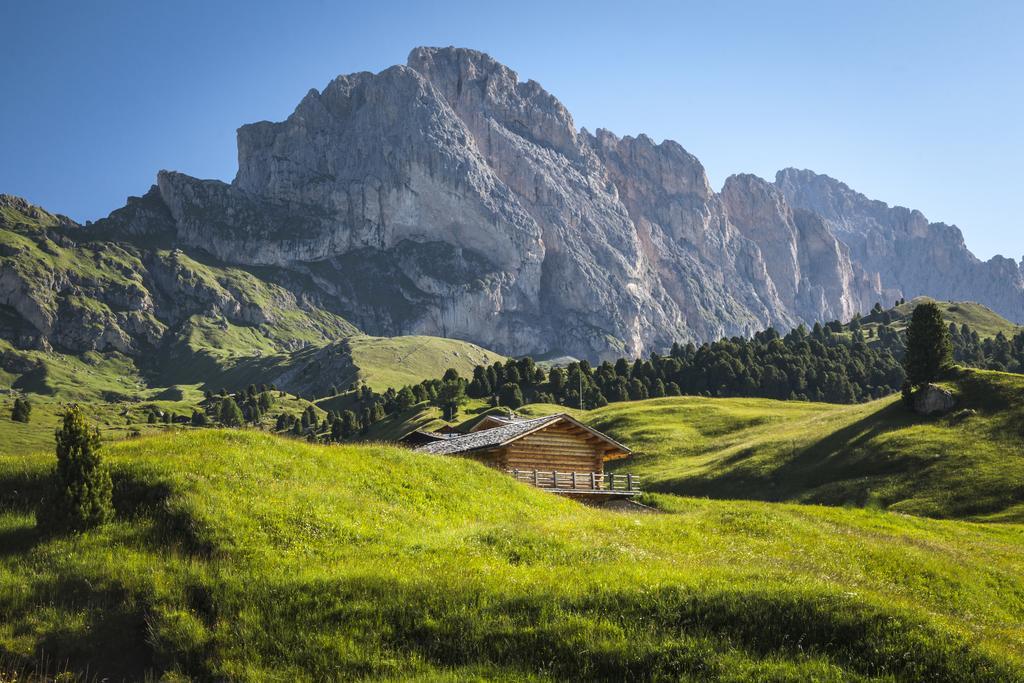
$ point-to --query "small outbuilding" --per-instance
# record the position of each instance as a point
(555, 452)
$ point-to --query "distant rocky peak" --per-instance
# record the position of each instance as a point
(480, 88)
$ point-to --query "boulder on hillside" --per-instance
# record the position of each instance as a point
(933, 400)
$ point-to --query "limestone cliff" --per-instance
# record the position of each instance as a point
(448, 197)
(909, 255)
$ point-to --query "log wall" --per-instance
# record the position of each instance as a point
(559, 447)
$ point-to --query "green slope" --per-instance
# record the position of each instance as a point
(397, 361)
(247, 557)
(379, 362)
(878, 454)
(980, 318)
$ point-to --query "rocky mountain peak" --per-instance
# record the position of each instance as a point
(448, 197)
(482, 89)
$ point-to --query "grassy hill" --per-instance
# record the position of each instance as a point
(965, 465)
(379, 362)
(242, 556)
(980, 318)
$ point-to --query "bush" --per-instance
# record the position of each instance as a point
(230, 413)
(22, 410)
(81, 492)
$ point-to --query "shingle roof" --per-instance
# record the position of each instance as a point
(485, 438)
(513, 429)
(418, 437)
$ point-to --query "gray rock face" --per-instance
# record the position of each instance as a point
(513, 229)
(447, 197)
(933, 400)
(909, 256)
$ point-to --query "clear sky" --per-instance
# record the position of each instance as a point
(915, 103)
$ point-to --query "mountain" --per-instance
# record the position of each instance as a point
(446, 197)
(911, 256)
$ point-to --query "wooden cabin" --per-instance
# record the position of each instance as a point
(555, 452)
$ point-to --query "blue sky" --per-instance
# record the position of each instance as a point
(919, 104)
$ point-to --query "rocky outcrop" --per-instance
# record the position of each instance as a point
(487, 215)
(908, 255)
(933, 400)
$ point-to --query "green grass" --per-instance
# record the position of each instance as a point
(119, 420)
(872, 454)
(241, 556)
(397, 361)
(980, 318)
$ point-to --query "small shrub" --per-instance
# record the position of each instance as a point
(81, 492)
(22, 410)
(230, 413)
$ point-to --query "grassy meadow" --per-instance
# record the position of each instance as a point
(239, 555)
(968, 464)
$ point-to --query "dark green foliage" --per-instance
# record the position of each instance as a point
(451, 395)
(511, 395)
(199, 419)
(230, 413)
(81, 492)
(310, 420)
(22, 410)
(832, 363)
(405, 399)
(929, 350)
(349, 423)
(907, 394)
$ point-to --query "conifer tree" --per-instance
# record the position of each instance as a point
(928, 347)
(511, 395)
(81, 493)
(22, 410)
(230, 413)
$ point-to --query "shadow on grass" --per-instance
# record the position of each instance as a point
(668, 634)
(839, 456)
(99, 633)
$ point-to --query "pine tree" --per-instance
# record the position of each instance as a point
(928, 347)
(349, 423)
(511, 395)
(22, 410)
(450, 396)
(199, 418)
(81, 495)
(230, 413)
(405, 399)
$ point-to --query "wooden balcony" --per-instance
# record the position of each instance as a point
(580, 484)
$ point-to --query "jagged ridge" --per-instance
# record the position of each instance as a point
(445, 197)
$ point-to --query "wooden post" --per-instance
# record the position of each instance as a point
(515, 473)
(554, 479)
(593, 480)
(574, 479)
(536, 481)
(629, 481)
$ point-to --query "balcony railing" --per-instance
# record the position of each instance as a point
(578, 481)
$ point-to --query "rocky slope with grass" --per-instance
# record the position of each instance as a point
(446, 197)
(911, 255)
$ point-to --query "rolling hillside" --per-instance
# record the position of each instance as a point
(980, 318)
(965, 465)
(244, 556)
